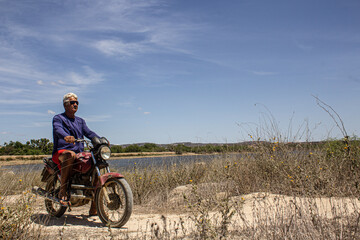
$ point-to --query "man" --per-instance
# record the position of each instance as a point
(66, 128)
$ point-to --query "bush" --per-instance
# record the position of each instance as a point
(41, 146)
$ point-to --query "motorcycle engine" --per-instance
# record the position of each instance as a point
(78, 195)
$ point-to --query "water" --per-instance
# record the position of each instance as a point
(130, 163)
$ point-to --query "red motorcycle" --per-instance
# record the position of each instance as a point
(91, 180)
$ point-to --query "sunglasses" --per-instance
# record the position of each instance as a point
(73, 102)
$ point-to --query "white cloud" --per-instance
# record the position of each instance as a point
(81, 22)
(88, 77)
(114, 28)
(147, 113)
(112, 47)
(51, 112)
(21, 78)
(18, 77)
(16, 72)
(12, 90)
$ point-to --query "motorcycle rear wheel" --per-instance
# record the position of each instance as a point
(116, 212)
(53, 187)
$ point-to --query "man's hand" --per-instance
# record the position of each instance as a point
(69, 139)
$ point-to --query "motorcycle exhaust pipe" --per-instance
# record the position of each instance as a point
(43, 193)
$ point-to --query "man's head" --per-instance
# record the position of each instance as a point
(71, 104)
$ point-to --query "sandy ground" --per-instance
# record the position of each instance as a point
(250, 211)
(76, 224)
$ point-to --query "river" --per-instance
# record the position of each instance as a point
(130, 163)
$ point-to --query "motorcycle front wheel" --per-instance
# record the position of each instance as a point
(53, 187)
(115, 209)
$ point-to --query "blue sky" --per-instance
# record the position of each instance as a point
(180, 70)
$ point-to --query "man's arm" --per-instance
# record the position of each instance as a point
(60, 131)
(87, 132)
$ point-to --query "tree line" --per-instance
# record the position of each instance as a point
(44, 146)
(40, 146)
(180, 148)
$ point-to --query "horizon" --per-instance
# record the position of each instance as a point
(181, 71)
(206, 143)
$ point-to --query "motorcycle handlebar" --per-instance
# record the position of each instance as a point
(86, 142)
(82, 140)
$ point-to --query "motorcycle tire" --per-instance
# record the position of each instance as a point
(53, 187)
(117, 211)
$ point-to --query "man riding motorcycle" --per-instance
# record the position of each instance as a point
(66, 128)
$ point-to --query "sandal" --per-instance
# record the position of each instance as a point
(92, 211)
(64, 200)
(91, 214)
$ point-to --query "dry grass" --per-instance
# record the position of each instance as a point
(279, 191)
(16, 212)
(299, 182)
(22, 157)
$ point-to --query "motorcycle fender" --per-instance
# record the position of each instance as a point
(106, 176)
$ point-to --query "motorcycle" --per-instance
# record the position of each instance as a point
(110, 191)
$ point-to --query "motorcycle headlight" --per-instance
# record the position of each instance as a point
(105, 152)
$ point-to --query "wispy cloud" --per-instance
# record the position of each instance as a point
(112, 47)
(37, 124)
(19, 101)
(23, 113)
(115, 29)
(28, 83)
(120, 22)
(125, 104)
(96, 118)
(303, 46)
(5, 133)
(263, 73)
(89, 76)
(141, 110)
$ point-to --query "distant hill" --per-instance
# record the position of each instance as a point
(187, 144)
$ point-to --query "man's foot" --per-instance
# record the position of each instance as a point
(91, 214)
(64, 199)
(92, 211)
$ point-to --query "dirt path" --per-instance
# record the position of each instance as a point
(251, 211)
(78, 225)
